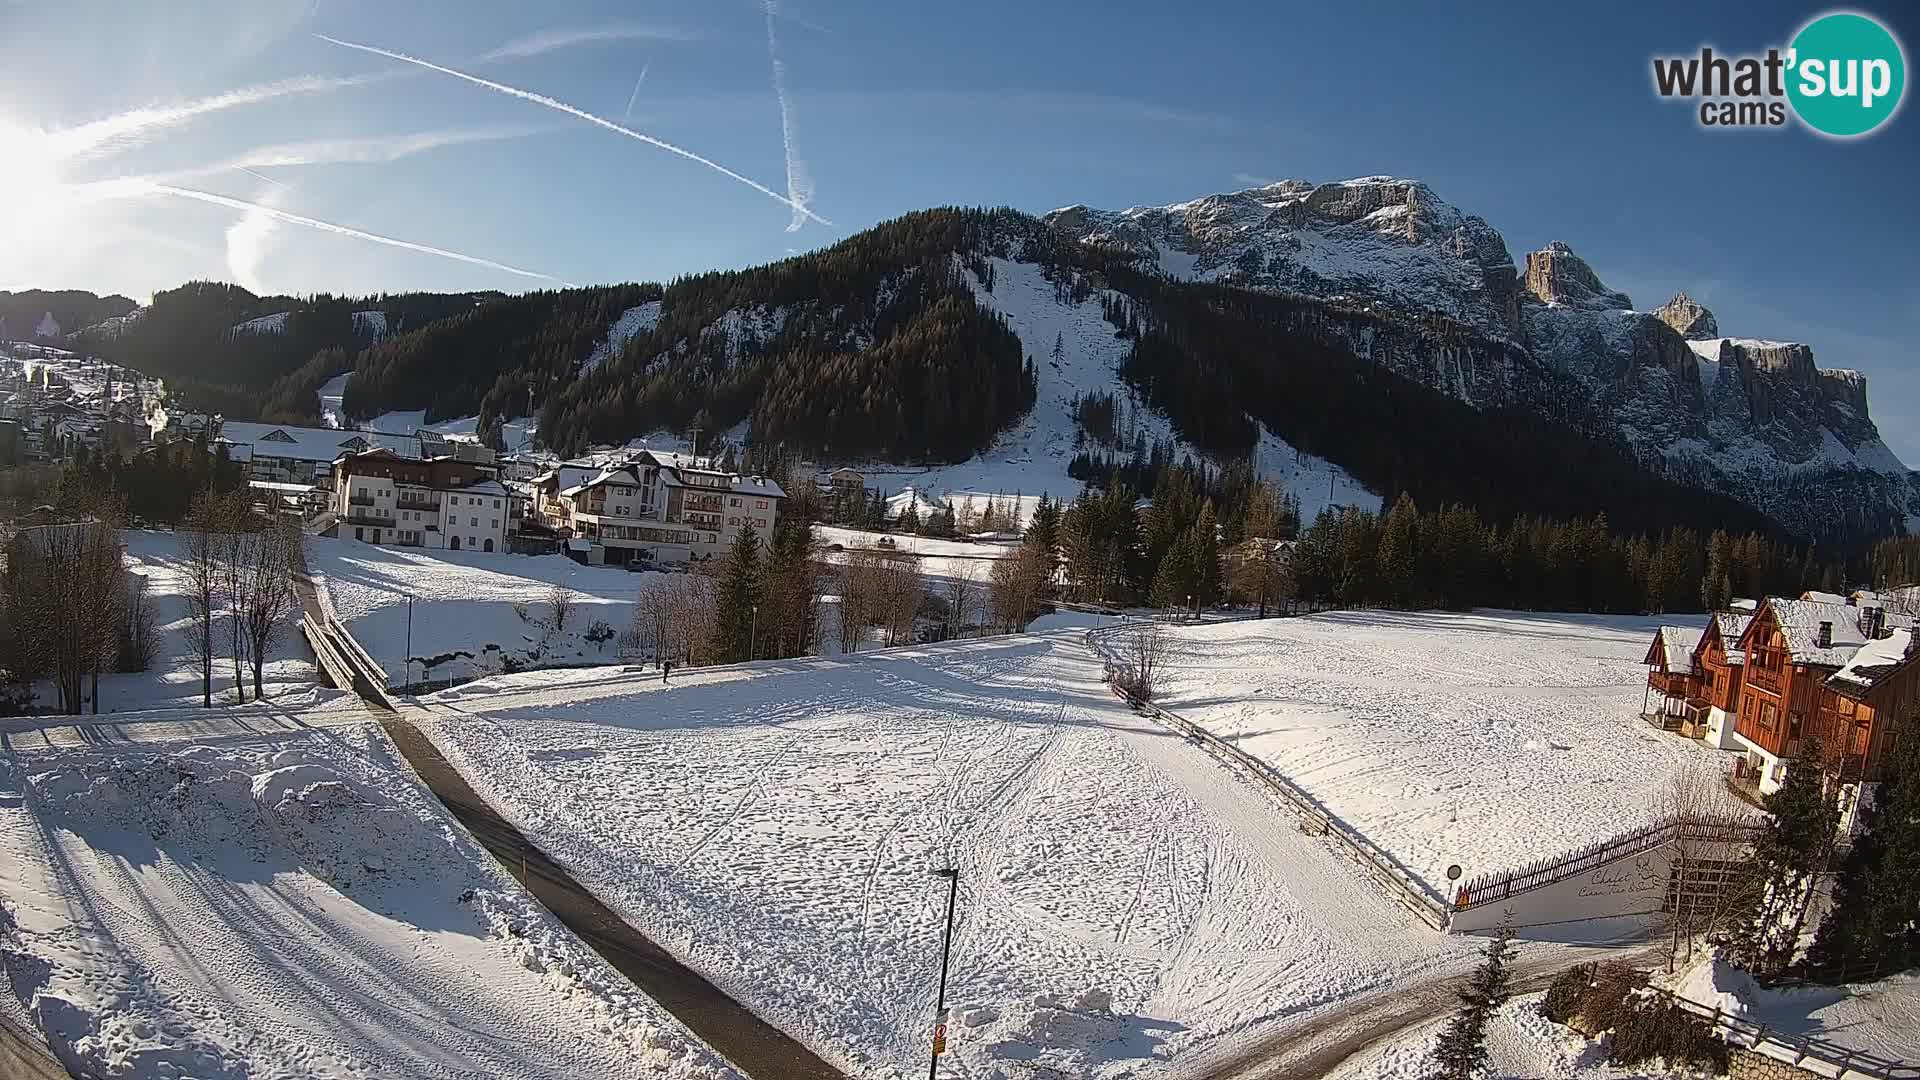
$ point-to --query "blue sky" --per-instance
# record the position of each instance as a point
(1541, 120)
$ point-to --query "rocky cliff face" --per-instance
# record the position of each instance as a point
(1688, 319)
(1555, 275)
(1756, 419)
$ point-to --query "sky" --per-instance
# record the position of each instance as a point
(143, 144)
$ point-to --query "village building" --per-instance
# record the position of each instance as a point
(656, 507)
(382, 497)
(1721, 664)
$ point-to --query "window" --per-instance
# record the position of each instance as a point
(760, 504)
(733, 502)
(496, 502)
(470, 541)
(760, 523)
(733, 522)
(496, 523)
(473, 523)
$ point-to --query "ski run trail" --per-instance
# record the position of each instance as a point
(1124, 902)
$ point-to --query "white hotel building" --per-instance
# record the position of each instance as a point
(656, 507)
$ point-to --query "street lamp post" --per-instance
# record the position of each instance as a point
(952, 874)
(753, 635)
(409, 657)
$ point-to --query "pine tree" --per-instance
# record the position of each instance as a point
(1874, 924)
(1043, 529)
(1399, 553)
(739, 593)
(1716, 587)
(1203, 553)
(1795, 847)
(1462, 1050)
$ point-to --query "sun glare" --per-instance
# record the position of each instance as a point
(31, 192)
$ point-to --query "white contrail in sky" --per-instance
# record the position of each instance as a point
(260, 176)
(635, 96)
(88, 138)
(799, 184)
(561, 106)
(546, 41)
(342, 230)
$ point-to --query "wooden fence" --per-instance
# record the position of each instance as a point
(1809, 1052)
(1397, 881)
(1493, 888)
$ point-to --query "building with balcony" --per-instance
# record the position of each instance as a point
(381, 497)
(655, 507)
(1829, 669)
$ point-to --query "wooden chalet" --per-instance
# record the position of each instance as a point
(1672, 674)
(1720, 664)
(1792, 687)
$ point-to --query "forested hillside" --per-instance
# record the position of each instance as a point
(21, 312)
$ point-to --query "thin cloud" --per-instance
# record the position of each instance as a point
(342, 230)
(799, 183)
(561, 106)
(367, 150)
(1253, 181)
(131, 127)
(553, 40)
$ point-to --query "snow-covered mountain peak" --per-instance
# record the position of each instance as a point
(1381, 237)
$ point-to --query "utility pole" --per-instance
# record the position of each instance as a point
(952, 874)
(409, 676)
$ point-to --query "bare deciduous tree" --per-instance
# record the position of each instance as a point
(1710, 884)
(560, 602)
(200, 553)
(962, 595)
(272, 555)
(899, 594)
(67, 599)
(1143, 652)
(1015, 587)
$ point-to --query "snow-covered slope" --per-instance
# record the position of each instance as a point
(635, 320)
(292, 904)
(1031, 458)
(275, 323)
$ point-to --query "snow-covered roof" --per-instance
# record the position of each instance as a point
(1732, 626)
(1799, 622)
(313, 444)
(1823, 597)
(1873, 663)
(757, 485)
(1744, 604)
(1677, 644)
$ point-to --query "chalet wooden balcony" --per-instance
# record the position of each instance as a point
(1766, 678)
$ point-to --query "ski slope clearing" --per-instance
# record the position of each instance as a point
(1123, 901)
(289, 679)
(292, 906)
(1031, 458)
(464, 620)
(939, 559)
(1485, 739)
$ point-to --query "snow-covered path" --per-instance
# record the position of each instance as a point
(1123, 900)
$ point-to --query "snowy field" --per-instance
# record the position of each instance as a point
(464, 602)
(940, 560)
(292, 906)
(1486, 739)
(1521, 1045)
(1123, 901)
(174, 679)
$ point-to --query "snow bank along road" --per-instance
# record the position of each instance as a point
(289, 903)
(1124, 902)
(1485, 738)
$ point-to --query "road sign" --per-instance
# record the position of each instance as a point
(1453, 872)
(939, 1038)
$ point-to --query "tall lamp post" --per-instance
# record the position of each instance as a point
(952, 874)
(753, 635)
(409, 676)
